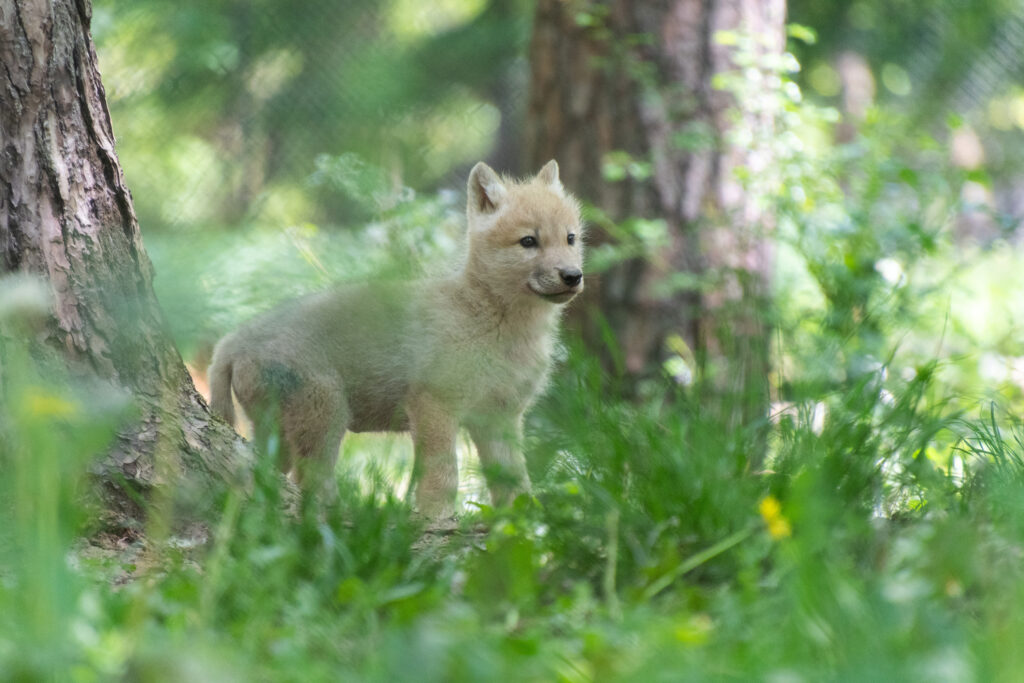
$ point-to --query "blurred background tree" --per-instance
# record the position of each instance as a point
(630, 98)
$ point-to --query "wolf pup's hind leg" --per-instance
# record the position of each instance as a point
(314, 418)
(306, 410)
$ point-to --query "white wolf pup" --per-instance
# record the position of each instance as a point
(428, 356)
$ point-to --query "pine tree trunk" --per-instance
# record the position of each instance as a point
(637, 76)
(66, 215)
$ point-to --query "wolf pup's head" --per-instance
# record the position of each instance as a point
(525, 238)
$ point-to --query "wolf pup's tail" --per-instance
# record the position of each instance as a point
(220, 384)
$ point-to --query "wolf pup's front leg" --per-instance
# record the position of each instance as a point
(499, 443)
(435, 470)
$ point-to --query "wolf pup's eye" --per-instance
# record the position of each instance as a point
(572, 238)
(529, 241)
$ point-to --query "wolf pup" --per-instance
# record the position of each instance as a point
(427, 356)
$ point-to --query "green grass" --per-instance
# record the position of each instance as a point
(647, 553)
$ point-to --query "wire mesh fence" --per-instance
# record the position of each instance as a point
(225, 111)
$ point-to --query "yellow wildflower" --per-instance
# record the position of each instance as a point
(771, 513)
(694, 630)
(45, 404)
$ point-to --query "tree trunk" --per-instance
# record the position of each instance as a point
(66, 215)
(639, 77)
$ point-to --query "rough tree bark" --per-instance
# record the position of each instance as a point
(66, 215)
(638, 76)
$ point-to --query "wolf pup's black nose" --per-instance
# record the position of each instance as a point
(571, 276)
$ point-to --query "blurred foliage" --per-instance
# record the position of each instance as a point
(221, 108)
(881, 540)
(940, 51)
(242, 273)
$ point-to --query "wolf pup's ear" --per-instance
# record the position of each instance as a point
(485, 190)
(549, 176)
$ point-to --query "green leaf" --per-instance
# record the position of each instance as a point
(802, 33)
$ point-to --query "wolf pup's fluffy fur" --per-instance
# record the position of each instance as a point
(427, 356)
